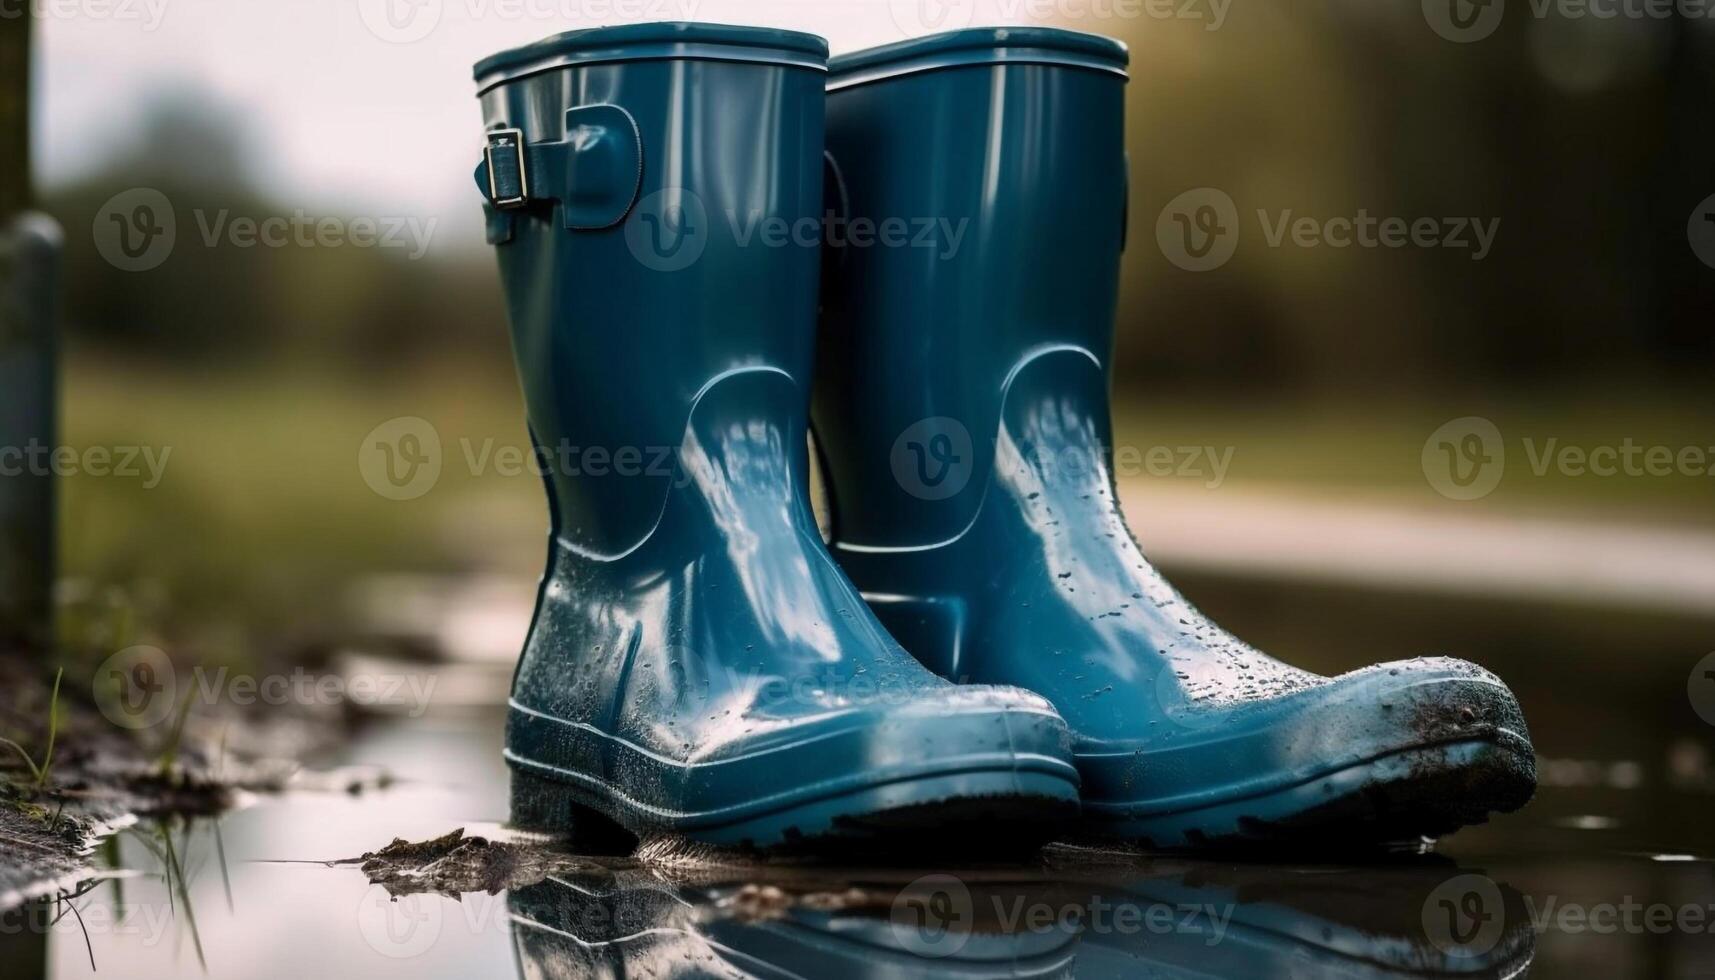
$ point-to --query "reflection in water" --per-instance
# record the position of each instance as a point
(1188, 920)
(1073, 912)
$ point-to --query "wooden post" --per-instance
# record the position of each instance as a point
(16, 192)
(30, 248)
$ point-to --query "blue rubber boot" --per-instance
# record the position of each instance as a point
(962, 407)
(1386, 921)
(698, 665)
(643, 923)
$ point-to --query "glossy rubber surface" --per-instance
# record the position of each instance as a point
(1240, 920)
(962, 406)
(1083, 916)
(675, 40)
(640, 923)
(698, 663)
(979, 46)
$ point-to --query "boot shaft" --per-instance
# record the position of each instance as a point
(639, 250)
(1003, 150)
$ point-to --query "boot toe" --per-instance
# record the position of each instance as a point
(1396, 751)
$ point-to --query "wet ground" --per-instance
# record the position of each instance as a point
(1610, 872)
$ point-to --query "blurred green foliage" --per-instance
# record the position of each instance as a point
(224, 304)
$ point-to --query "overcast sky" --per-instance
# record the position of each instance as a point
(362, 114)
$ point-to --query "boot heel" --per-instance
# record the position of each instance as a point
(547, 807)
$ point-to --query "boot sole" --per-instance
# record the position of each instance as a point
(980, 812)
(1401, 797)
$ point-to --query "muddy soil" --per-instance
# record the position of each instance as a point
(101, 778)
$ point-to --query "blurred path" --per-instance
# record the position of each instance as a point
(1394, 547)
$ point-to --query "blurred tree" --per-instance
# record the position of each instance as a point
(216, 298)
(29, 264)
(1586, 139)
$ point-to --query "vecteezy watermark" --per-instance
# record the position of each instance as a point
(1465, 458)
(139, 688)
(1208, 464)
(670, 228)
(400, 21)
(935, 916)
(1464, 21)
(915, 17)
(36, 458)
(766, 691)
(135, 922)
(402, 459)
(399, 927)
(147, 12)
(405, 21)
(136, 230)
(1199, 230)
(938, 235)
(1364, 230)
(1212, 13)
(933, 459)
(1700, 688)
(1700, 231)
(1466, 916)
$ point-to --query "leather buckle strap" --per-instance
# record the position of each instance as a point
(505, 160)
(593, 174)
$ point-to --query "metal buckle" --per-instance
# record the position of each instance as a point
(500, 139)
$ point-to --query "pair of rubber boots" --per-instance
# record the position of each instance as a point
(982, 653)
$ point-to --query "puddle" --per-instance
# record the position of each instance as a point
(259, 893)
(1609, 873)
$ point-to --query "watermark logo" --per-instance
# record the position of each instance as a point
(1365, 230)
(1700, 687)
(400, 459)
(1464, 916)
(932, 916)
(933, 459)
(668, 229)
(399, 928)
(149, 12)
(400, 21)
(1700, 231)
(914, 17)
(1199, 229)
(140, 923)
(135, 229)
(36, 458)
(1464, 459)
(1077, 463)
(136, 688)
(1464, 21)
(1467, 917)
